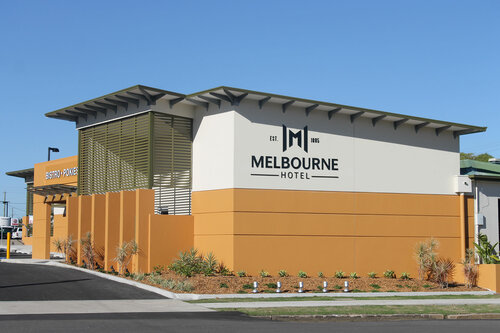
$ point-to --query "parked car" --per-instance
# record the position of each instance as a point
(17, 233)
(4, 231)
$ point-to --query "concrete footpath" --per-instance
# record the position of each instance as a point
(98, 306)
(279, 304)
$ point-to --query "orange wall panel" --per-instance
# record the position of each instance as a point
(212, 201)
(323, 231)
(168, 235)
(98, 224)
(214, 224)
(144, 207)
(222, 246)
(41, 228)
(60, 231)
(111, 228)
(127, 216)
(84, 222)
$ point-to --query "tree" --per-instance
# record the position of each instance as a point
(484, 157)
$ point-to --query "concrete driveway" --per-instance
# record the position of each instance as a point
(45, 289)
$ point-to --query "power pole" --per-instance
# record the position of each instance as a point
(5, 204)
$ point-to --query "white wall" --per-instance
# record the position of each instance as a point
(489, 194)
(370, 159)
(213, 149)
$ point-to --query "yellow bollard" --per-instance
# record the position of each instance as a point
(8, 245)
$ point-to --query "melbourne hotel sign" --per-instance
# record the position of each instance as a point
(289, 164)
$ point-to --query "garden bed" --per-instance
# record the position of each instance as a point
(201, 284)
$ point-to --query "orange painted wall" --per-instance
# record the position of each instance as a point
(323, 231)
(489, 276)
(144, 207)
(97, 225)
(84, 223)
(60, 164)
(60, 230)
(168, 235)
(41, 228)
(111, 228)
(41, 242)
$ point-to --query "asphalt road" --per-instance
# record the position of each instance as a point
(224, 322)
(23, 282)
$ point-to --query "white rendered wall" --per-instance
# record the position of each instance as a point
(370, 159)
(213, 149)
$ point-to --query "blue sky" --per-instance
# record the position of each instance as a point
(433, 59)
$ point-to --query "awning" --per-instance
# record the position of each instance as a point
(27, 174)
(53, 189)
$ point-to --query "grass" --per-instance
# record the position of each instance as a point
(368, 309)
(329, 298)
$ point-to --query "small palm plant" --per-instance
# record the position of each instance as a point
(471, 269)
(88, 250)
(64, 246)
(124, 254)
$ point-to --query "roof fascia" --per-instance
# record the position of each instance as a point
(475, 129)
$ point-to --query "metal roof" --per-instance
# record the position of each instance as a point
(110, 102)
(234, 96)
(27, 174)
(479, 168)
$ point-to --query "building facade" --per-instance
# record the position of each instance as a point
(263, 181)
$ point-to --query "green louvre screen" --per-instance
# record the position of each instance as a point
(29, 200)
(151, 150)
(172, 144)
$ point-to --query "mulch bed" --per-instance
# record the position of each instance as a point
(235, 284)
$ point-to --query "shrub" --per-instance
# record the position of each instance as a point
(263, 273)
(223, 270)
(372, 275)
(302, 274)
(354, 275)
(375, 286)
(209, 264)
(471, 269)
(247, 286)
(320, 274)
(443, 271)
(405, 276)
(158, 269)
(271, 285)
(389, 274)
(88, 250)
(171, 284)
(337, 287)
(426, 258)
(485, 250)
(241, 273)
(188, 263)
(282, 273)
(124, 254)
(241, 292)
(138, 276)
(339, 274)
(223, 285)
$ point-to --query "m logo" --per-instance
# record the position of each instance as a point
(289, 136)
